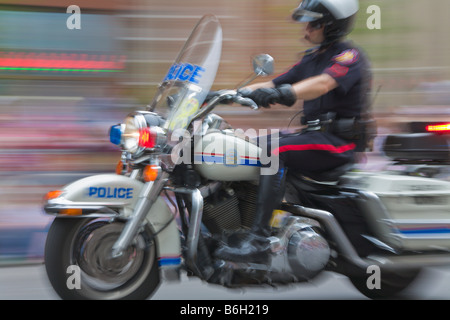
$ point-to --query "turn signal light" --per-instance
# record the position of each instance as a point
(72, 212)
(150, 173)
(53, 194)
(120, 167)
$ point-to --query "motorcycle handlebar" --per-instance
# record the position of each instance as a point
(246, 102)
(231, 96)
(225, 97)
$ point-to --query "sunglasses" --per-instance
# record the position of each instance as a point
(315, 25)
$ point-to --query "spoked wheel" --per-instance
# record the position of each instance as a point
(79, 263)
(392, 283)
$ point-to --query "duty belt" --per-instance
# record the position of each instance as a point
(323, 123)
(346, 128)
(319, 125)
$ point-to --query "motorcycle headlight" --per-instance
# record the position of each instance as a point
(133, 124)
(135, 134)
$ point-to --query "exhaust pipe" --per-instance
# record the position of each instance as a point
(347, 250)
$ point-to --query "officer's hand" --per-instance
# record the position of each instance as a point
(283, 94)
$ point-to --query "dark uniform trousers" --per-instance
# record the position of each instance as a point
(310, 152)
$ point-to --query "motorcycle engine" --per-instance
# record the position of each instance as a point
(299, 250)
(231, 208)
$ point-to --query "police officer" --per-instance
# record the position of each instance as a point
(333, 80)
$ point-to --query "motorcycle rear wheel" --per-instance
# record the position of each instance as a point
(392, 284)
(79, 264)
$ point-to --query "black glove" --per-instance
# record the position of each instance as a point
(283, 94)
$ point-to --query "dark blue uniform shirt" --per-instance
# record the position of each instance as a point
(349, 66)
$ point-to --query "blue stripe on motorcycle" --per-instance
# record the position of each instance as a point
(425, 231)
(247, 162)
(221, 160)
(172, 261)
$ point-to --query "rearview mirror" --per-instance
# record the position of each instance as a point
(263, 64)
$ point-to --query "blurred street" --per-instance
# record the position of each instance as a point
(29, 282)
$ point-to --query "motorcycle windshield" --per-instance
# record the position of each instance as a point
(191, 76)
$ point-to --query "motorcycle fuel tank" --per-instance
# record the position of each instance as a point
(223, 156)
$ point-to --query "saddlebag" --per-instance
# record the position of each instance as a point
(406, 212)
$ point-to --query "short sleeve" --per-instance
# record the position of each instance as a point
(295, 73)
(345, 68)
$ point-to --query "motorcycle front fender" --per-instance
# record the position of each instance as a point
(98, 195)
(112, 195)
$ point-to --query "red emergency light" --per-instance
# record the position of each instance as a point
(147, 138)
(439, 128)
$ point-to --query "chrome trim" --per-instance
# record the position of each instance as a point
(225, 94)
(380, 244)
(195, 221)
(410, 261)
(135, 174)
(66, 204)
(330, 223)
(90, 209)
(96, 213)
(283, 261)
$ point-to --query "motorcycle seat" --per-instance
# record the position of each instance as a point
(315, 181)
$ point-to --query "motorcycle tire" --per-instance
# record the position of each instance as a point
(391, 284)
(80, 266)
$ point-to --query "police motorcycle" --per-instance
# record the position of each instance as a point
(186, 179)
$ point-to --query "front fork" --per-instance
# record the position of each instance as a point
(147, 198)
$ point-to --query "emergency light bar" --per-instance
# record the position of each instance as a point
(442, 128)
(430, 127)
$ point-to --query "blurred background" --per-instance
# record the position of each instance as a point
(61, 89)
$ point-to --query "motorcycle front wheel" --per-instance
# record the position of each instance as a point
(79, 263)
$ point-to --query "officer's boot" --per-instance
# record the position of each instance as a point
(253, 246)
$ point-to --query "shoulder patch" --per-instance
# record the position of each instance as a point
(347, 57)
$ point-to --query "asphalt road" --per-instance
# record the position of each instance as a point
(29, 282)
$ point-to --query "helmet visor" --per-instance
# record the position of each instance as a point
(302, 15)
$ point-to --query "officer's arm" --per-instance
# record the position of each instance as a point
(314, 87)
(267, 84)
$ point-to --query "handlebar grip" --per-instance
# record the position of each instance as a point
(246, 102)
(231, 96)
